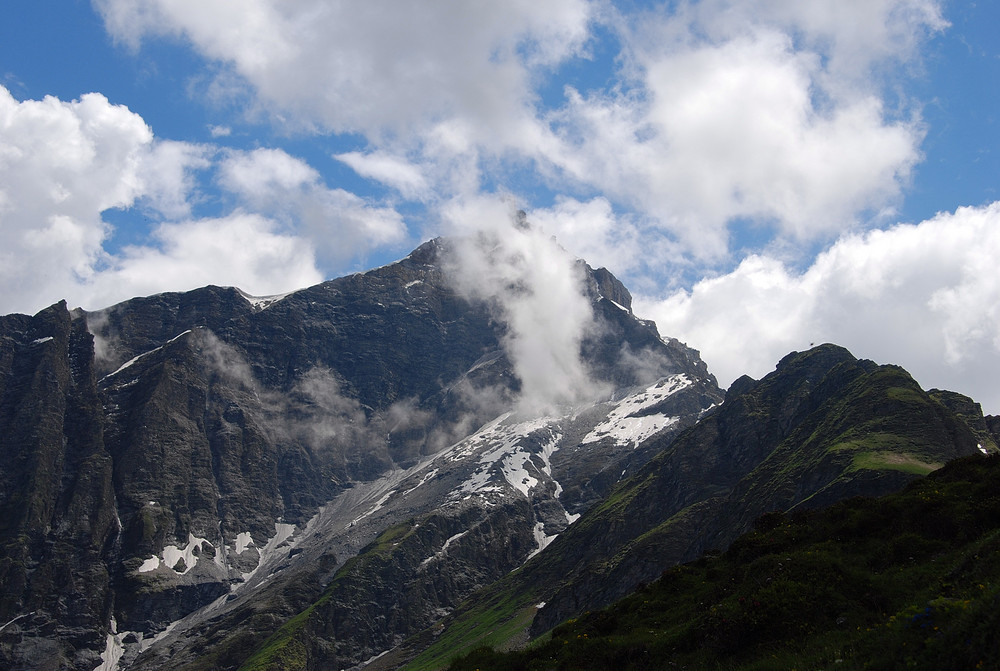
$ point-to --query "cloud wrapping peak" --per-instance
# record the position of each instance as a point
(790, 119)
(537, 290)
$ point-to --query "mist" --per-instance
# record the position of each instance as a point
(537, 289)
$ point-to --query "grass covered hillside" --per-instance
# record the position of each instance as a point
(909, 580)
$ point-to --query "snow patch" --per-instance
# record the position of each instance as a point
(39, 341)
(171, 554)
(427, 476)
(150, 564)
(243, 541)
(10, 622)
(540, 539)
(509, 454)
(136, 358)
(444, 548)
(146, 643)
(616, 304)
(982, 449)
(282, 532)
(113, 650)
(262, 302)
(378, 506)
(622, 424)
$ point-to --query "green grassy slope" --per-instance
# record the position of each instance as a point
(910, 580)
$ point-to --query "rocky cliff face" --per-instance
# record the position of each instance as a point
(184, 472)
(58, 526)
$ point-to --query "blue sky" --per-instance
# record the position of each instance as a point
(763, 174)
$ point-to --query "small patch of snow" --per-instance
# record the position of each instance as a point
(616, 304)
(427, 476)
(378, 506)
(262, 302)
(622, 424)
(10, 622)
(136, 358)
(150, 564)
(171, 554)
(39, 341)
(540, 538)
(444, 548)
(540, 605)
(113, 650)
(243, 541)
(982, 449)
(146, 643)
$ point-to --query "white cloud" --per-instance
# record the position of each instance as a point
(765, 110)
(241, 250)
(592, 231)
(393, 171)
(61, 165)
(750, 125)
(340, 225)
(64, 164)
(371, 66)
(536, 288)
(923, 296)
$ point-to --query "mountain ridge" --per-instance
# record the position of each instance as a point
(665, 515)
(234, 442)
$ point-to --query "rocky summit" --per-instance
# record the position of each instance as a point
(398, 465)
(184, 472)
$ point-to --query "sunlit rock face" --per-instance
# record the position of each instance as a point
(173, 463)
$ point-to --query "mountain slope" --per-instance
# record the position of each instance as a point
(910, 580)
(191, 468)
(823, 426)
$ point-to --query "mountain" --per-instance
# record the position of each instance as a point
(908, 580)
(822, 427)
(185, 472)
(469, 445)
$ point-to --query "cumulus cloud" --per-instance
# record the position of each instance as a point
(769, 111)
(924, 296)
(63, 165)
(241, 250)
(593, 231)
(536, 287)
(341, 225)
(375, 65)
(745, 121)
(393, 171)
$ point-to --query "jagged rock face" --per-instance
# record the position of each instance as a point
(57, 513)
(169, 451)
